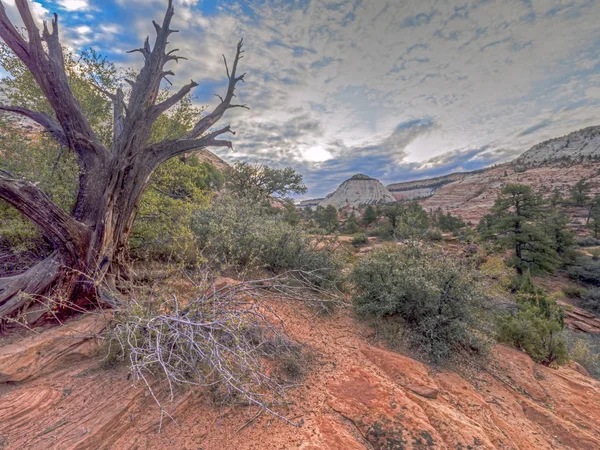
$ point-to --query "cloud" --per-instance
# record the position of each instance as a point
(74, 5)
(392, 89)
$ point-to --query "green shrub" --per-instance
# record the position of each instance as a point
(433, 234)
(431, 296)
(584, 348)
(590, 300)
(574, 291)
(360, 239)
(586, 269)
(238, 234)
(588, 241)
(536, 327)
(177, 189)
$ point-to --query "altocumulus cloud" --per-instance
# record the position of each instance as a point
(394, 89)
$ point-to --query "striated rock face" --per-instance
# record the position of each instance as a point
(355, 396)
(578, 145)
(358, 190)
(472, 196)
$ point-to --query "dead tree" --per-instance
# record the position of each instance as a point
(90, 245)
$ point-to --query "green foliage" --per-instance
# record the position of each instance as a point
(258, 182)
(351, 226)
(588, 241)
(53, 168)
(584, 348)
(590, 300)
(177, 190)
(327, 218)
(515, 224)
(369, 216)
(85, 73)
(360, 239)
(573, 291)
(556, 226)
(406, 220)
(536, 327)
(433, 297)
(236, 234)
(448, 223)
(580, 192)
(586, 269)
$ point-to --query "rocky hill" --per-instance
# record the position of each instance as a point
(579, 145)
(472, 196)
(358, 190)
(554, 164)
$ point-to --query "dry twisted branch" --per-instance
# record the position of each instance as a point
(226, 338)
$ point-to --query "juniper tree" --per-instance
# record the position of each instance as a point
(91, 243)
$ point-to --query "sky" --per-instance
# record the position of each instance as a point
(397, 90)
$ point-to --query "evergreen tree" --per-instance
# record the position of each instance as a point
(370, 215)
(556, 226)
(557, 198)
(406, 220)
(327, 218)
(580, 192)
(515, 221)
(351, 226)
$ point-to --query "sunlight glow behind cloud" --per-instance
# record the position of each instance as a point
(396, 90)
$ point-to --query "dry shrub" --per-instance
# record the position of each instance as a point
(226, 338)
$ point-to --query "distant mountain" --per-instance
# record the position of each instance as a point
(358, 190)
(578, 145)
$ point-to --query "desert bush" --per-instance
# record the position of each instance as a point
(586, 269)
(226, 338)
(536, 327)
(588, 241)
(574, 291)
(235, 233)
(432, 297)
(432, 234)
(584, 348)
(590, 300)
(360, 239)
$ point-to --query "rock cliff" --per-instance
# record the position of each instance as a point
(358, 190)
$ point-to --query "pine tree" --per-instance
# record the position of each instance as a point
(556, 226)
(580, 192)
(327, 218)
(515, 220)
(370, 215)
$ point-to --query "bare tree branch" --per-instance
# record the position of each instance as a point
(66, 233)
(208, 121)
(174, 99)
(50, 125)
(47, 66)
(169, 148)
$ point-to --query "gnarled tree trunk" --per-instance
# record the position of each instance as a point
(91, 245)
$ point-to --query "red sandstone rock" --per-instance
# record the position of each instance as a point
(355, 396)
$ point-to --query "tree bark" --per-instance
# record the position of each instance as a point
(91, 245)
